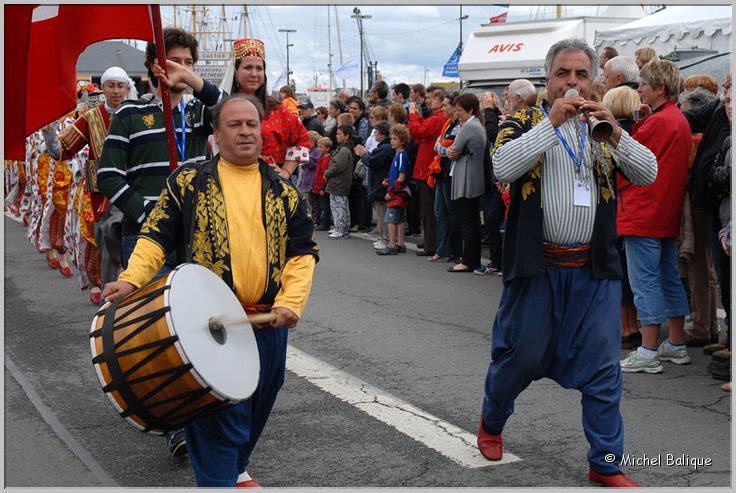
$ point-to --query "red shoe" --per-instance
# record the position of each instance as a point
(66, 271)
(490, 446)
(95, 298)
(619, 480)
(53, 263)
(251, 483)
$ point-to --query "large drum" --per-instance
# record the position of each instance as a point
(158, 358)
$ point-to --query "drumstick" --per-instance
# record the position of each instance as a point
(255, 319)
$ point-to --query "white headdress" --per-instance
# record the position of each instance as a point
(116, 73)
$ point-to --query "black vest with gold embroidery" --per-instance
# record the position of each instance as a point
(523, 245)
(190, 217)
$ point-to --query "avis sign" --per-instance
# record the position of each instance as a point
(506, 47)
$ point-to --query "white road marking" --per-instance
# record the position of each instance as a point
(454, 443)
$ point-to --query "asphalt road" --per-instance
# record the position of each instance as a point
(401, 325)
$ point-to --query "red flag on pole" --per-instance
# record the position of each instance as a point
(498, 19)
(158, 35)
(42, 44)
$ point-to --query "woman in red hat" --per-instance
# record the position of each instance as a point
(286, 142)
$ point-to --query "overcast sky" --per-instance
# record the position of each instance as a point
(402, 39)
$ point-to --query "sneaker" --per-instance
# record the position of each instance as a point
(379, 245)
(177, 442)
(331, 230)
(633, 363)
(371, 234)
(485, 269)
(338, 236)
(354, 229)
(388, 251)
(679, 356)
(401, 248)
(334, 234)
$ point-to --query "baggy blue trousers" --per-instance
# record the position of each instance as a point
(220, 444)
(564, 325)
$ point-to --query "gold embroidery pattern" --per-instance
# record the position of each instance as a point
(97, 131)
(504, 135)
(217, 218)
(201, 251)
(527, 189)
(157, 214)
(276, 237)
(601, 172)
(184, 181)
(209, 245)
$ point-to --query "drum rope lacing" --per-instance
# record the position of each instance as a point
(118, 377)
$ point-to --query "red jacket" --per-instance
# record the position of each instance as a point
(319, 174)
(425, 132)
(655, 210)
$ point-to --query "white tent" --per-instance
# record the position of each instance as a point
(680, 26)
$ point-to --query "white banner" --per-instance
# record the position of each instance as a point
(351, 68)
(281, 81)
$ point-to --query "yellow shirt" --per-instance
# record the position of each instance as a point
(241, 189)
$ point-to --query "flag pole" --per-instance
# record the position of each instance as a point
(158, 36)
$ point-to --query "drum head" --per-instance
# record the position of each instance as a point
(230, 366)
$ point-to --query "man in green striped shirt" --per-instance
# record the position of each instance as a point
(134, 163)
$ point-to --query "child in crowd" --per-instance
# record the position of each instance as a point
(398, 192)
(339, 176)
(378, 161)
(289, 100)
(306, 177)
(324, 144)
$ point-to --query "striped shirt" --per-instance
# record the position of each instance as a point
(135, 162)
(565, 223)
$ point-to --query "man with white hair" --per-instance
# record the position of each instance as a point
(519, 91)
(621, 71)
(102, 260)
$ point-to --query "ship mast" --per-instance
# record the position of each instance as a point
(339, 44)
(332, 82)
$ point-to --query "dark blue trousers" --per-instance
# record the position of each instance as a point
(220, 444)
(564, 325)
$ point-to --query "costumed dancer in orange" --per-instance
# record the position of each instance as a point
(43, 209)
(286, 142)
(96, 219)
(61, 181)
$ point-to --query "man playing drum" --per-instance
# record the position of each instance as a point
(237, 217)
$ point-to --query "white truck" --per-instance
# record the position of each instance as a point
(496, 54)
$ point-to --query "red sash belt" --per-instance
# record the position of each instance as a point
(566, 256)
(251, 308)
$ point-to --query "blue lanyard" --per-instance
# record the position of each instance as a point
(181, 144)
(576, 160)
